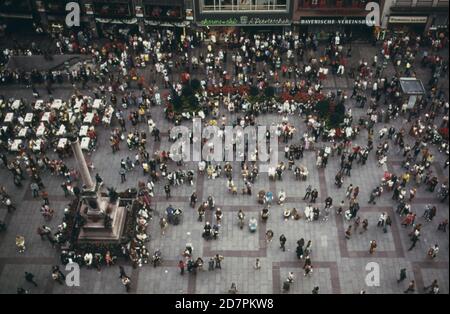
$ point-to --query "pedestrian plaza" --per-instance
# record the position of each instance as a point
(340, 265)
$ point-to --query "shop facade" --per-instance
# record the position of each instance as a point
(247, 15)
(323, 17)
(418, 16)
(100, 17)
(17, 16)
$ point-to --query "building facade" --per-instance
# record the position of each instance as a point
(416, 15)
(323, 16)
(97, 15)
(251, 13)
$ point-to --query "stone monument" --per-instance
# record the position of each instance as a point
(104, 220)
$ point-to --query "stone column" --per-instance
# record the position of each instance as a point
(82, 166)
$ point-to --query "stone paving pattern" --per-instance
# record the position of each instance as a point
(339, 264)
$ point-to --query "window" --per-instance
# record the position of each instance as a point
(15, 6)
(163, 12)
(331, 3)
(347, 3)
(107, 9)
(244, 5)
(56, 7)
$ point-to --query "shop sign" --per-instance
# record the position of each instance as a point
(216, 22)
(245, 20)
(333, 21)
(408, 19)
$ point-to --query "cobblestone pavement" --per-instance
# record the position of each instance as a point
(339, 264)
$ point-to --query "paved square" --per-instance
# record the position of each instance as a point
(339, 264)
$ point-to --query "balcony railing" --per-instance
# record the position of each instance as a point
(327, 5)
(244, 7)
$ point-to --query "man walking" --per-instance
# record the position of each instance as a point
(283, 242)
(57, 275)
(314, 195)
(434, 287)
(34, 189)
(181, 266)
(373, 246)
(257, 264)
(211, 264)
(29, 277)
(167, 190)
(411, 287)
(126, 281)
(433, 251)
(414, 239)
(402, 275)
(308, 192)
(98, 179)
(218, 259)
(365, 224)
(122, 173)
(348, 232)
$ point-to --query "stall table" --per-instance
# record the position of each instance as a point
(9, 117)
(29, 117)
(45, 117)
(83, 130)
(88, 118)
(85, 142)
(23, 132)
(15, 145)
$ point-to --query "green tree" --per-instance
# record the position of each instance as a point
(254, 91)
(269, 91)
(340, 108)
(187, 91)
(193, 102)
(336, 119)
(195, 85)
(322, 107)
(177, 103)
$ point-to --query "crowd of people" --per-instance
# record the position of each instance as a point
(36, 136)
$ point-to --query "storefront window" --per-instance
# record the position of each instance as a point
(15, 6)
(163, 12)
(106, 9)
(347, 3)
(331, 3)
(56, 7)
(244, 5)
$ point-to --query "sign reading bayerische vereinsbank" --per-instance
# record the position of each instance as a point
(244, 20)
(334, 21)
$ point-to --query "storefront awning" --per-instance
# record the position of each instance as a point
(167, 24)
(16, 16)
(117, 21)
